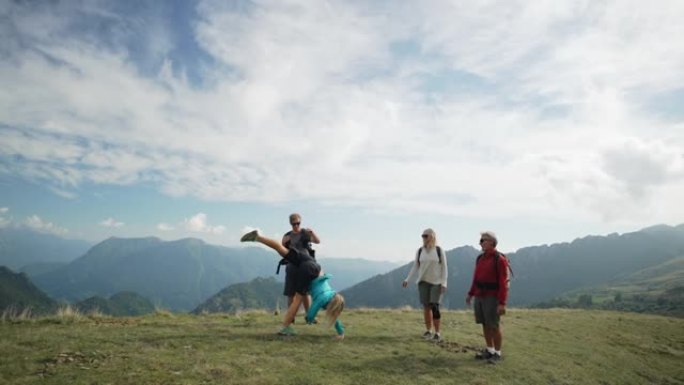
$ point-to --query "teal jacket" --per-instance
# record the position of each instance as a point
(321, 294)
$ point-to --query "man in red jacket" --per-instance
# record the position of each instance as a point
(490, 289)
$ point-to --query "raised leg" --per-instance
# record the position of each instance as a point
(253, 236)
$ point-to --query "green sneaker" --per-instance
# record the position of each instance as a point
(250, 237)
(287, 331)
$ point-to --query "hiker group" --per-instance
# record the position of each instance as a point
(307, 285)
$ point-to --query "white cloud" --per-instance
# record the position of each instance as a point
(639, 165)
(36, 223)
(4, 210)
(111, 222)
(307, 101)
(198, 224)
(164, 227)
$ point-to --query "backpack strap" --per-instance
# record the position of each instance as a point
(496, 265)
(283, 261)
(497, 255)
(439, 254)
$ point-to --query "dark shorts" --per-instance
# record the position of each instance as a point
(485, 311)
(429, 293)
(300, 271)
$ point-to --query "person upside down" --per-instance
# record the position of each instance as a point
(309, 279)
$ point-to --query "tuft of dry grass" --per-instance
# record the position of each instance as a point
(158, 311)
(14, 315)
(68, 314)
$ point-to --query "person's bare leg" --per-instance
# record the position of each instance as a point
(427, 316)
(254, 236)
(307, 302)
(497, 338)
(273, 244)
(292, 310)
(488, 336)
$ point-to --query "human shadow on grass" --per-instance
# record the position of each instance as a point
(407, 362)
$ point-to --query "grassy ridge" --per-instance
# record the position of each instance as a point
(383, 347)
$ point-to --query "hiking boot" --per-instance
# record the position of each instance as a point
(494, 359)
(427, 335)
(287, 331)
(250, 237)
(437, 338)
(483, 355)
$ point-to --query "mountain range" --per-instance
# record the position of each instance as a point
(173, 274)
(22, 247)
(178, 275)
(188, 274)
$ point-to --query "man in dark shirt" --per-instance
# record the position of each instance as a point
(300, 240)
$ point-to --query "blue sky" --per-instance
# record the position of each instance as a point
(540, 120)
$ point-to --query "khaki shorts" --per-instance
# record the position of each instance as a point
(485, 311)
(429, 293)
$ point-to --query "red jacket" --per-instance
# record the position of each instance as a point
(485, 280)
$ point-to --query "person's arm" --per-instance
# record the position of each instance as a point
(471, 292)
(313, 236)
(339, 328)
(316, 305)
(286, 240)
(502, 295)
(412, 272)
(445, 272)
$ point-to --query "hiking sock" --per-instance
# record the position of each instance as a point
(491, 350)
(498, 352)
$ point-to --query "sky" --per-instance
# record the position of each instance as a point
(542, 121)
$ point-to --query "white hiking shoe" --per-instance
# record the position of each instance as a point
(427, 335)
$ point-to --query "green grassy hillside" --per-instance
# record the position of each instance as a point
(259, 293)
(121, 304)
(382, 347)
(658, 289)
(17, 294)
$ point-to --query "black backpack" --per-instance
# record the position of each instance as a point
(305, 240)
(439, 254)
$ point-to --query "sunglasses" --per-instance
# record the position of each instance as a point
(295, 223)
(482, 240)
(424, 235)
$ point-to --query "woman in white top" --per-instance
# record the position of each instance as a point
(430, 266)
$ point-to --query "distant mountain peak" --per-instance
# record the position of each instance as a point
(657, 228)
(191, 240)
(120, 239)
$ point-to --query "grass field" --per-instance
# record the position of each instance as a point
(382, 347)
